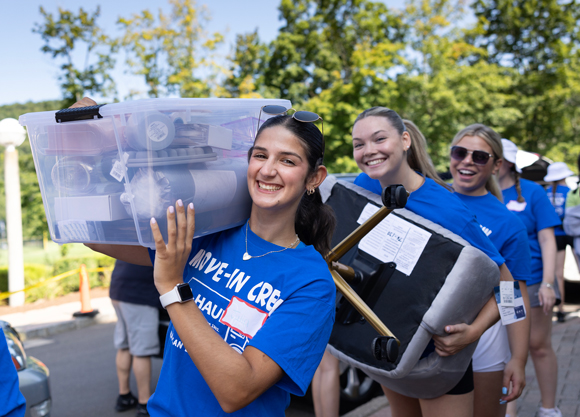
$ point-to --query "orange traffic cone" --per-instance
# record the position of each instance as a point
(85, 290)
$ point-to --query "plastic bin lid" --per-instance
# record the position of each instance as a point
(160, 104)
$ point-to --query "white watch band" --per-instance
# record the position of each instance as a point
(170, 297)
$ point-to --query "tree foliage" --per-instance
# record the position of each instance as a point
(172, 51)
(68, 35)
(33, 217)
(516, 68)
(540, 40)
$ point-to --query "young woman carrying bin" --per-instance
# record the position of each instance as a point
(263, 288)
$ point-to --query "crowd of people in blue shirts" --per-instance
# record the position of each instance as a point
(252, 307)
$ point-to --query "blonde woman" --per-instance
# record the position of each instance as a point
(476, 157)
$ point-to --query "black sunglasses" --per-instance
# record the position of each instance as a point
(478, 157)
(301, 116)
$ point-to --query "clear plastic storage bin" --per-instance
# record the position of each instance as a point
(104, 171)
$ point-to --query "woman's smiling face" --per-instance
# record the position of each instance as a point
(277, 170)
(378, 149)
(470, 178)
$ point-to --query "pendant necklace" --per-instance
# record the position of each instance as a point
(247, 256)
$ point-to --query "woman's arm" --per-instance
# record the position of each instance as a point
(546, 294)
(137, 255)
(519, 340)
(461, 335)
(235, 380)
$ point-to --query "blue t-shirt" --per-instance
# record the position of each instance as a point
(281, 304)
(433, 202)
(537, 213)
(559, 203)
(505, 230)
(12, 402)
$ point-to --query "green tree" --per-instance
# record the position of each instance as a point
(65, 36)
(439, 90)
(172, 51)
(539, 39)
(33, 217)
(248, 63)
(332, 57)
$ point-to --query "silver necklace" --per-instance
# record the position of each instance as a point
(247, 256)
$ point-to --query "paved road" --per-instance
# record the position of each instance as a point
(83, 376)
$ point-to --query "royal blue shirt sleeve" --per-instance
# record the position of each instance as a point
(474, 235)
(12, 402)
(516, 252)
(544, 211)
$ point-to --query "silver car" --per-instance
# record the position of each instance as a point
(33, 375)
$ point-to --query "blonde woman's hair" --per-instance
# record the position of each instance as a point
(417, 156)
(493, 139)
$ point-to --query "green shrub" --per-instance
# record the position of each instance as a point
(34, 273)
(96, 279)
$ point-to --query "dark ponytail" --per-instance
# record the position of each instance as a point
(314, 221)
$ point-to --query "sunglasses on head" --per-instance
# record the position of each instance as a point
(301, 116)
(459, 153)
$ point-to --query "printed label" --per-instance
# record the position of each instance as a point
(157, 131)
(394, 240)
(511, 314)
(243, 317)
(506, 291)
(118, 170)
(80, 230)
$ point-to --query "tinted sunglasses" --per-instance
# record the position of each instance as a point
(459, 153)
(301, 116)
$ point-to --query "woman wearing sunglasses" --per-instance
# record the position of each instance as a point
(263, 288)
(391, 151)
(530, 203)
(476, 157)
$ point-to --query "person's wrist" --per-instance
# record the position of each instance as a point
(474, 333)
(547, 285)
(516, 360)
(165, 287)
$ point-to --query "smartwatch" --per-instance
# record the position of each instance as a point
(179, 294)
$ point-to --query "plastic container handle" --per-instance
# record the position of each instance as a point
(78, 113)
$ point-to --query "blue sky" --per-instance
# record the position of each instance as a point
(27, 74)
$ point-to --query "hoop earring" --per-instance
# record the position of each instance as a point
(310, 192)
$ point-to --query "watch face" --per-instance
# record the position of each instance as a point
(184, 292)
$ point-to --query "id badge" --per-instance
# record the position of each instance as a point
(506, 293)
(514, 311)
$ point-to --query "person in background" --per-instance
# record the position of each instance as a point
(12, 402)
(136, 302)
(557, 192)
(476, 156)
(530, 203)
(390, 150)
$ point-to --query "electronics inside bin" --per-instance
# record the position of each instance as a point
(102, 179)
